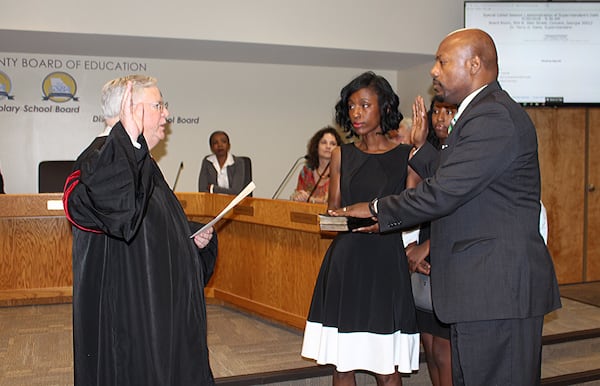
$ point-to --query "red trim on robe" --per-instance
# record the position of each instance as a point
(70, 184)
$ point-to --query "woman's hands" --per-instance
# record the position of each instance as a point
(416, 254)
(300, 195)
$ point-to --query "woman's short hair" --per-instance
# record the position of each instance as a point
(212, 135)
(386, 97)
(312, 157)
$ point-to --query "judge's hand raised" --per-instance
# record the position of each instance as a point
(131, 116)
(360, 210)
(420, 127)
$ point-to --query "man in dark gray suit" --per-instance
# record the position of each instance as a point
(492, 277)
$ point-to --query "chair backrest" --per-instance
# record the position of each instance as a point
(247, 169)
(52, 175)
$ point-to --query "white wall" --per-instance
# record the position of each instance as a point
(376, 25)
(269, 110)
(412, 82)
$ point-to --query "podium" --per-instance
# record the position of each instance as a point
(270, 252)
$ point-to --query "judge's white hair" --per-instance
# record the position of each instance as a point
(112, 92)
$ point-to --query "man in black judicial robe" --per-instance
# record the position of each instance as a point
(139, 315)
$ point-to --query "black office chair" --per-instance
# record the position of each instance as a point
(247, 170)
(52, 175)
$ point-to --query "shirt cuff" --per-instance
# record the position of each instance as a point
(373, 207)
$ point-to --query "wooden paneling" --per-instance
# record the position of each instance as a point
(268, 270)
(269, 257)
(270, 252)
(592, 272)
(562, 142)
(35, 250)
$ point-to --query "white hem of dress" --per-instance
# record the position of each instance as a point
(378, 353)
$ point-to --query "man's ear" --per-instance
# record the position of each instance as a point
(474, 65)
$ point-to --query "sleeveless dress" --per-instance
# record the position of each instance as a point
(362, 315)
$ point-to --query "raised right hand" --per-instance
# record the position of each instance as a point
(133, 124)
(420, 126)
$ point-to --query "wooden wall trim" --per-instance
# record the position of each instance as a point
(50, 295)
(273, 313)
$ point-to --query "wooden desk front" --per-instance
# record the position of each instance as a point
(270, 252)
(35, 250)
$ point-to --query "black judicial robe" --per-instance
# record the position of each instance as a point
(139, 316)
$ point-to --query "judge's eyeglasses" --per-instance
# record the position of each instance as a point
(160, 106)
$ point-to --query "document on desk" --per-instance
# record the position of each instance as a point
(236, 200)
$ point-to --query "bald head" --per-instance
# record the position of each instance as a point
(479, 44)
(466, 60)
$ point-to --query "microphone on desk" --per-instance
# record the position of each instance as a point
(177, 176)
(287, 176)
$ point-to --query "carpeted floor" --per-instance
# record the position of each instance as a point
(588, 293)
(36, 342)
(36, 345)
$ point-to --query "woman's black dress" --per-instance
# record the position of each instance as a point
(362, 314)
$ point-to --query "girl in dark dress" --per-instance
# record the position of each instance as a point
(362, 315)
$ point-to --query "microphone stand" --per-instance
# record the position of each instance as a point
(287, 176)
(177, 176)
(317, 183)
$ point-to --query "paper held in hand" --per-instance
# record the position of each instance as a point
(236, 200)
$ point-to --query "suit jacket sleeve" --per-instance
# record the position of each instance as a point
(484, 149)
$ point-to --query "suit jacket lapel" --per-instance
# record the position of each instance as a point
(453, 136)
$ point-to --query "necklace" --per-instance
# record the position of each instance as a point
(322, 174)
